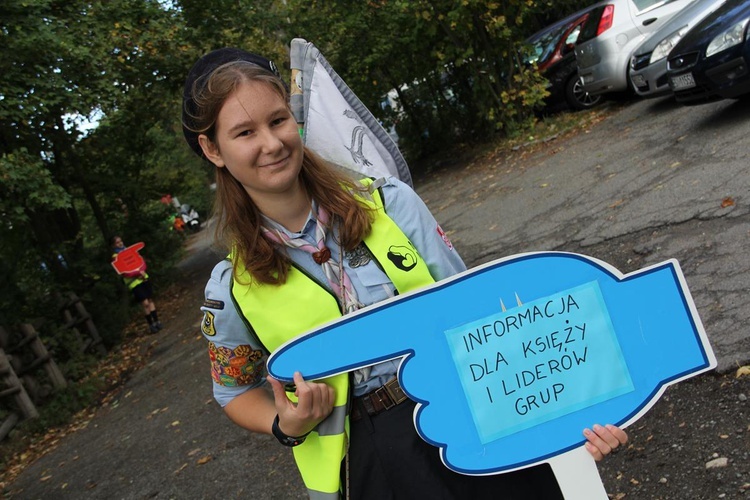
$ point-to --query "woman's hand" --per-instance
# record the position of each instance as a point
(314, 403)
(602, 440)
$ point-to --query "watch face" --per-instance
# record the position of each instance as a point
(290, 441)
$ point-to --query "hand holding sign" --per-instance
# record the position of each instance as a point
(503, 390)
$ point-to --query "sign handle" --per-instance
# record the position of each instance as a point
(577, 475)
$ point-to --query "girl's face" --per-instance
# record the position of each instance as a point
(258, 141)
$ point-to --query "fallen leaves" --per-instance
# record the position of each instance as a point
(742, 371)
(201, 461)
(156, 412)
(727, 202)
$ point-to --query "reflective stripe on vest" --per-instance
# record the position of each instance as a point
(134, 282)
(278, 313)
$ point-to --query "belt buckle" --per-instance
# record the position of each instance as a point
(395, 392)
(384, 398)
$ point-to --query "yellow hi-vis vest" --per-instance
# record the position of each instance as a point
(276, 314)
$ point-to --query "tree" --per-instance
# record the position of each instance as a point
(454, 66)
(57, 190)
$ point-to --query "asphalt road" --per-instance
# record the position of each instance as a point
(647, 182)
(652, 182)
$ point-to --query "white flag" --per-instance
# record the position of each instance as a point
(337, 126)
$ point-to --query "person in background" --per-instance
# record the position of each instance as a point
(307, 245)
(139, 284)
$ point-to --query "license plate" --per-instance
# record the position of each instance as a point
(685, 81)
(639, 81)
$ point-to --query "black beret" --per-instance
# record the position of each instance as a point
(200, 72)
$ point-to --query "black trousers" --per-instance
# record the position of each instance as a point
(388, 460)
(143, 291)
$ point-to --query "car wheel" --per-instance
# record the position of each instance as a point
(576, 97)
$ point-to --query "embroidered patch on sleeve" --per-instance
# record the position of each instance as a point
(213, 304)
(207, 325)
(445, 237)
(235, 367)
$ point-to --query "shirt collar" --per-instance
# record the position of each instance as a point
(308, 228)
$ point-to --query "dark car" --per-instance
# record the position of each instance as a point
(711, 61)
(552, 51)
(648, 66)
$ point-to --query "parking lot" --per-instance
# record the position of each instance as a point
(654, 181)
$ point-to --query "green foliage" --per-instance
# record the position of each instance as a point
(27, 184)
(453, 68)
(62, 195)
(454, 65)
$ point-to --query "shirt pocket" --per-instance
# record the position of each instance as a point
(373, 284)
(371, 275)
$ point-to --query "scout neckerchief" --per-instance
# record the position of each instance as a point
(334, 271)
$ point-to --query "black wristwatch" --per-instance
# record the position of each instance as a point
(283, 438)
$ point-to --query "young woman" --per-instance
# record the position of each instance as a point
(140, 286)
(307, 244)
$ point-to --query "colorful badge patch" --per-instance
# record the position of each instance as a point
(445, 237)
(207, 326)
(235, 367)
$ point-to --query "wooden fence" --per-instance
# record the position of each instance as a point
(28, 371)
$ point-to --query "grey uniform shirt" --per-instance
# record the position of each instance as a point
(238, 361)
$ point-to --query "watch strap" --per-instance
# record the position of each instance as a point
(283, 438)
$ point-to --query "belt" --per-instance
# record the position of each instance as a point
(381, 399)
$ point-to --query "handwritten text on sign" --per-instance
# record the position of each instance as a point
(539, 361)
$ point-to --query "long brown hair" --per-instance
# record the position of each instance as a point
(238, 218)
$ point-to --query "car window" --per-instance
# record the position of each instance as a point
(642, 5)
(573, 36)
(543, 47)
(588, 31)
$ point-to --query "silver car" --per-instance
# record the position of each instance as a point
(612, 32)
(648, 66)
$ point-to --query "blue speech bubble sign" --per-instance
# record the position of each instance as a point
(643, 333)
